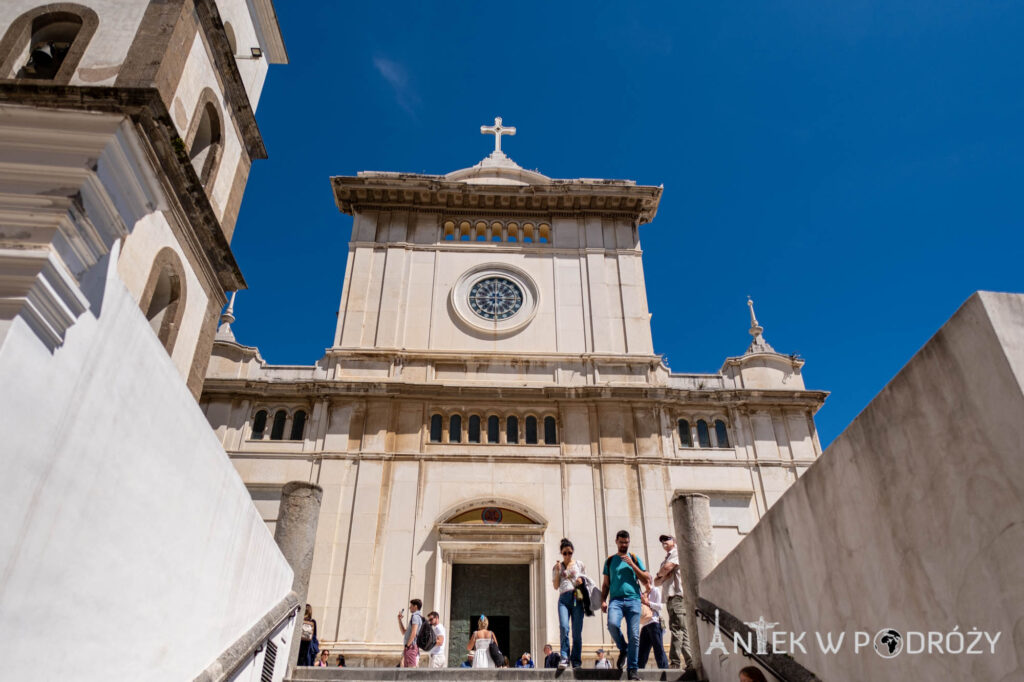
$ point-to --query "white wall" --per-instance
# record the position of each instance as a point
(399, 297)
(129, 543)
(911, 520)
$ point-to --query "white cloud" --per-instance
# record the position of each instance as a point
(396, 76)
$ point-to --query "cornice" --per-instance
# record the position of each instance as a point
(441, 393)
(525, 458)
(489, 356)
(147, 110)
(496, 247)
(414, 192)
(35, 284)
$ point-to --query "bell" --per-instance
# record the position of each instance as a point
(42, 55)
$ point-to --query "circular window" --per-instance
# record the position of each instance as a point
(495, 298)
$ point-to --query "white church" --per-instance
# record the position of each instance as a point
(492, 387)
(170, 500)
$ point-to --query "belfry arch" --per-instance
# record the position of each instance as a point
(478, 540)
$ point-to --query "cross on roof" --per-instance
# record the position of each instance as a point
(497, 130)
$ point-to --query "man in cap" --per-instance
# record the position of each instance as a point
(670, 580)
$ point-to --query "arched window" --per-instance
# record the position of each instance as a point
(455, 429)
(163, 299)
(550, 434)
(206, 143)
(474, 429)
(512, 430)
(527, 233)
(464, 228)
(435, 428)
(531, 430)
(685, 437)
(703, 435)
(277, 430)
(449, 231)
(259, 425)
(492, 429)
(166, 294)
(721, 433)
(513, 232)
(53, 35)
(47, 42)
(496, 231)
(545, 233)
(481, 231)
(298, 425)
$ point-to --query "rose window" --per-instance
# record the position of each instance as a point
(495, 298)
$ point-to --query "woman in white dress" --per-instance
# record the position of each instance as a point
(479, 644)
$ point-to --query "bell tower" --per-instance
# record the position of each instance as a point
(127, 134)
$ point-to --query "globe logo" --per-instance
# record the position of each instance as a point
(888, 643)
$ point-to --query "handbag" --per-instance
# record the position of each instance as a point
(495, 653)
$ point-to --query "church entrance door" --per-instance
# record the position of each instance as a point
(499, 591)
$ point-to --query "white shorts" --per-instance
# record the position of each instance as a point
(438, 661)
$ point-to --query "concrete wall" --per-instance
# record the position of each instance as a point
(129, 543)
(912, 519)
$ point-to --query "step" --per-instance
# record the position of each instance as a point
(484, 675)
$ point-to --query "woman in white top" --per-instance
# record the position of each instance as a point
(567, 578)
(479, 645)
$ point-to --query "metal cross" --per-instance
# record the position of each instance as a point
(497, 130)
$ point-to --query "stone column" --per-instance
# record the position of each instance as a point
(691, 513)
(296, 536)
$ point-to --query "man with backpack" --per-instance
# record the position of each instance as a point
(438, 653)
(417, 636)
(624, 574)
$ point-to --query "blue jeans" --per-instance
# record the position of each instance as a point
(629, 609)
(570, 607)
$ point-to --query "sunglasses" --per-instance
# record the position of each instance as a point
(567, 553)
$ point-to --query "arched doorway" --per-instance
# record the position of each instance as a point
(489, 554)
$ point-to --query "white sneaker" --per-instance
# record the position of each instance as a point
(563, 664)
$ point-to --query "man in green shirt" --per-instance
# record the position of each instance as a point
(620, 598)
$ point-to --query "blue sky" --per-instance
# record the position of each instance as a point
(856, 167)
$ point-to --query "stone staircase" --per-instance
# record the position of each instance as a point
(470, 675)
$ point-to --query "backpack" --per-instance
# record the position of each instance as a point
(426, 639)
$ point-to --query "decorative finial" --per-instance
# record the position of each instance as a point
(224, 332)
(497, 130)
(758, 345)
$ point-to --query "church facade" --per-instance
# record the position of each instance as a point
(492, 387)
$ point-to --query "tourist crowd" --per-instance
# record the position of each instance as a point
(628, 594)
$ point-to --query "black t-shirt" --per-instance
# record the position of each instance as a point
(551, 660)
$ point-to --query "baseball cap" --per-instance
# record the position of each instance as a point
(662, 538)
